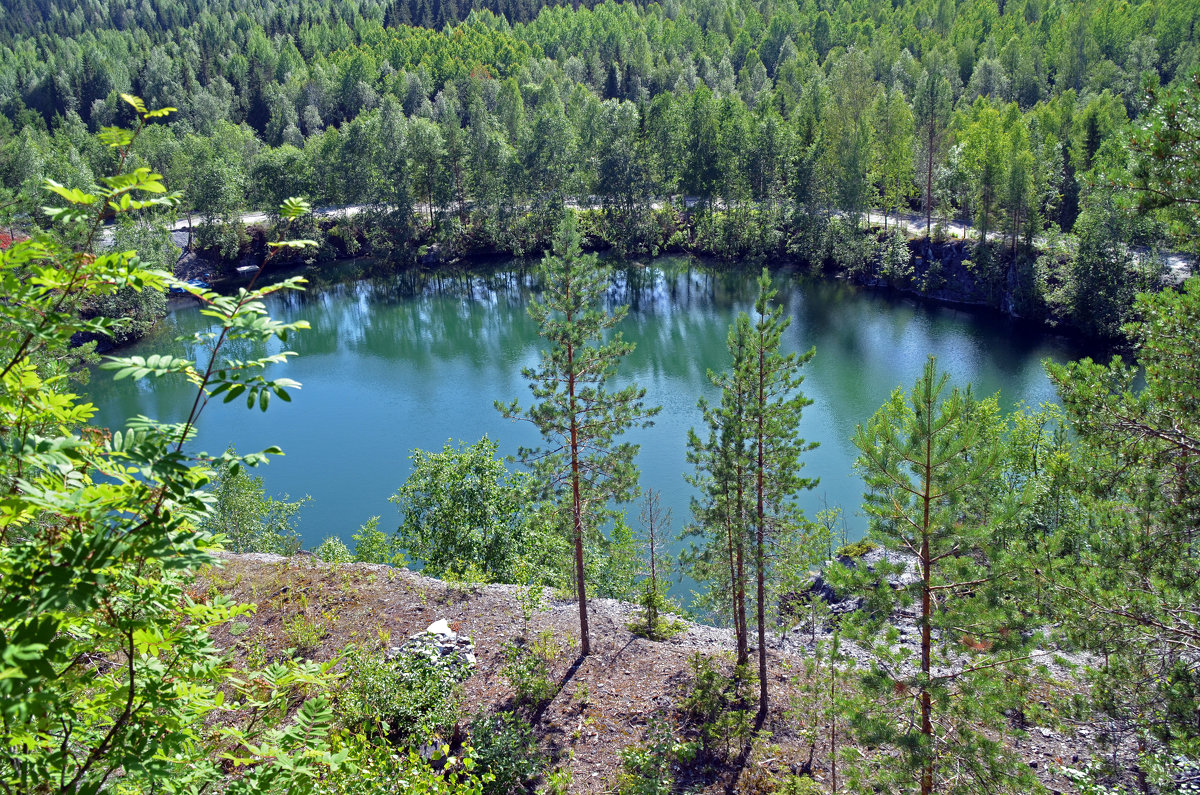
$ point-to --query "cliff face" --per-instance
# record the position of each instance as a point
(958, 272)
(600, 705)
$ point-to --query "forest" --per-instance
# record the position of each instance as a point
(469, 129)
(1041, 563)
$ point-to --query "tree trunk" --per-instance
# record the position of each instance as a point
(929, 181)
(577, 506)
(743, 655)
(760, 553)
(458, 193)
(926, 613)
(733, 582)
(833, 785)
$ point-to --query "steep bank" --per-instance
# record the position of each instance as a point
(1026, 284)
(602, 704)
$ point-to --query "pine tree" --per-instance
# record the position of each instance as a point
(656, 525)
(931, 109)
(1124, 566)
(748, 468)
(773, 417)
(931, 462)
(722, 472)
(576, 413)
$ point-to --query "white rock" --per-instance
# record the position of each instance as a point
(440, 627)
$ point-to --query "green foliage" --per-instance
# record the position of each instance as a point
(717, 706)
(461, 508)
(304, 633)
(408, 699)
(931, 464)
(532, 600)
(799, 785)
(111, 678)
(584, 467)
(652, 595)
(612, 561)
(652, 624)
(749, 471)
(380, 769)
(141, 309)
(472, 125)
(333, 550)
(527, 669)
(372, 545)
(649, 769)
(775, 448)
(1122, 555)
(1165, 170)
(856, 550)
(558, 781)
(895, 260)
(249, 520)
(506, 748)
(1101, 283)
(722, 476)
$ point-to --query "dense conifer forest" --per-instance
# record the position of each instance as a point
(1025, 575)
(471, 128)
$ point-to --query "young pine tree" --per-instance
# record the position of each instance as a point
(748, 468)
(722, 472)
(1124, 565)
(931, 464)
(576, 413)
(773, 416)
(656, 526)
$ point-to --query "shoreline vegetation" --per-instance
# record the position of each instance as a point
(994, 277)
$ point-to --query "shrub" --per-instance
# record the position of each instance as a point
(506, 747)
(112, 681)
(716, 707)
(407, 699)
(799, 785)
(649, 769)
(304, 634)
(249, 520)
(332, 550)
(375, 769)
(527, 668)
(856, 550)
(465, 515)
(372, 545)
(650, 623)
(895, 259)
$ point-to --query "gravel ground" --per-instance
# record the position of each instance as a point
(604, 702)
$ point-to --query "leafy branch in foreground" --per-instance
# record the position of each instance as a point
(109, 673)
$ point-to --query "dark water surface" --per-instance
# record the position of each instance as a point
(400, 362)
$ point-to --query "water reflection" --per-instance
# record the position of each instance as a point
(396, 361)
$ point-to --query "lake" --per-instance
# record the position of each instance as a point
(397, 362)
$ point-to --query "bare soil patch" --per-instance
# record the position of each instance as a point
(628, 681)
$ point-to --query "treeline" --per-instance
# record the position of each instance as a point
(790, 119)
(161, 20)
